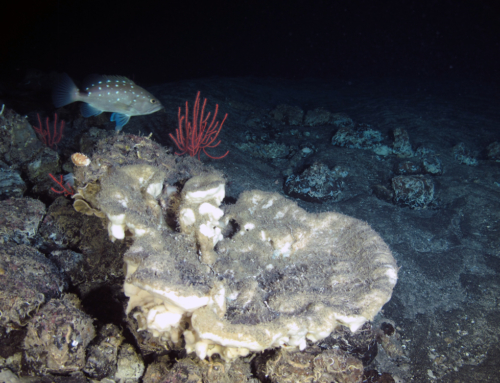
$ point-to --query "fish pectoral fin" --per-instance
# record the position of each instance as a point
(121, 120)
(89, 110)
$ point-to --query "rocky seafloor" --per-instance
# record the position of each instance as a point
(417, 161)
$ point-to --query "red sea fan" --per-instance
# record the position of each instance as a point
(192, 137)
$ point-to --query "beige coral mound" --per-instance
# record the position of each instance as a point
(259, 274)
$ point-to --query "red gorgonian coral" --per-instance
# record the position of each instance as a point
(50, 138)
(192, 137)
(65, 188)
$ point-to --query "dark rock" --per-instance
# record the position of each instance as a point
(493, 151)
(407, 168)
(11, 184)
(287, 114)
(18, 142)
(316, 184)
(58, 336)
(102, 355)
(19, 220)
(28, 279)
(414, 191)
(402, 145)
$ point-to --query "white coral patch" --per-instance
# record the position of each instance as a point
(155, 189)
(116, 226)
(162, 320)
(211, 231)
(249, 226)
(187, 217)
(218, 193)
(116, 231)
(208, 209)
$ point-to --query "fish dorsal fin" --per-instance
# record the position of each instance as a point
(95, 79)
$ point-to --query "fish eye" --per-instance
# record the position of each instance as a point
(153, 101)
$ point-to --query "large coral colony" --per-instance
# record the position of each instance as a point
(232, 280)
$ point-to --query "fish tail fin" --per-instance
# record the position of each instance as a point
(65, 91)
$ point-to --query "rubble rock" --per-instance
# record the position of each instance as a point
(58, 336)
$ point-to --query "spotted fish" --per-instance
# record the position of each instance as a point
(116, 94)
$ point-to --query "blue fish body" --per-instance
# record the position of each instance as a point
(116, 94)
